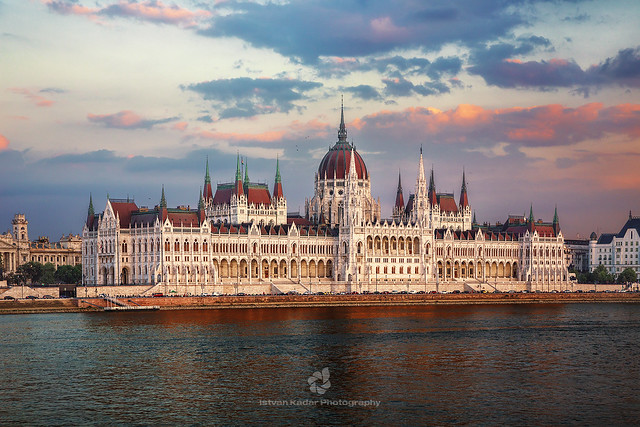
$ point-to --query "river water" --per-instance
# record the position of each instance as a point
(518, 364)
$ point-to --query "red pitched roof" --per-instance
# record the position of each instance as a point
(447, 203)
(184, 219)
(124, 210)
(258, 195)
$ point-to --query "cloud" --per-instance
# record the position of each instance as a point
(498, 68)
(4, 142)
(401, 87)
(475, 126)
(154, 11)
(126, 120)
(247, 97)
(365, 92)
(39, 101)
(307, 31)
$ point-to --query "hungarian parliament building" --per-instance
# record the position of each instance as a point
(242, 234)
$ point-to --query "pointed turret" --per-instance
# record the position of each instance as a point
(246, 172)
(342, 131)
(90, 212)
(163, 207)
(201, 211)
(556, 221)
(163, 200)
(208, 192)
(238, 190)
(433, 199)
(399, 197)
(531, 221)
(464, 200)
(473, 221)
(277, 186)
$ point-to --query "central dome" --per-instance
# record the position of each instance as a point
(338, 159)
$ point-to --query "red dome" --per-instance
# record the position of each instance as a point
(338, 159)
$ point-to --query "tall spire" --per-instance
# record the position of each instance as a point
(246, 172)
(464, 200)
(399, 197)
(163, 200)
(531, 220)
(555, 216)
(208, 192)
(342, 132)
(433, 199)
(91, 212)
(277, 186)
(238, 185)
(473, 221)
(238, 171)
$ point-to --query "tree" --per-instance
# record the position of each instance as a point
(601, 275)
(32, 271)
(48, 274)
(68, 274)
(627, 276)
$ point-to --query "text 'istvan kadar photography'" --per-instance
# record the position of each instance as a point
(319, 212)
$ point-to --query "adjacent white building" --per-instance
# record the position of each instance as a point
(617, 251)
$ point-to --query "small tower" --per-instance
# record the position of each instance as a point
(556, 221)
(277, 186)
(20, 227)
(398, 209)
(208, 192)
(238, 190)
(90, 212)
(464, 200)
(163, 207)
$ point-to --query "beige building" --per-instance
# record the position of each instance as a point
(16, 248)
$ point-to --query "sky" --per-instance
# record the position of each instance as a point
(537, 101)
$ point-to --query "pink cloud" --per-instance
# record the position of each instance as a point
(126, 120)
(270, 136)
(181, 126)
(150, 10)
(39, 101)
(4, 142)
(552, 124)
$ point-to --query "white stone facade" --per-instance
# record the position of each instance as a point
(619, 251)
(342, 240)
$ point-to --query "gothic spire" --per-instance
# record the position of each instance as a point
(207, 178)
(238, 185)
(91, 212)
(208, 192)
(246, 172)
(531, 220)
(277, 186)
(464, 200)
(433, 199)
(342, 132)
(163, 200)
(555, 216)
(399, 197)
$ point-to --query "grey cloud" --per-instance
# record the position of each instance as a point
(247, 97)
(403, 87)
(365, 92)
(493, 65)
(316, 28)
